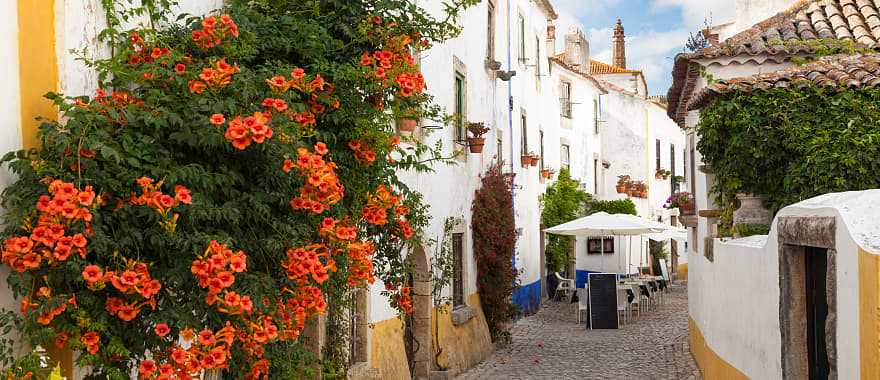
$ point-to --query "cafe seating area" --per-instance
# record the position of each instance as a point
(635, 295)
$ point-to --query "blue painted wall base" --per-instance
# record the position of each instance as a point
(528, 297)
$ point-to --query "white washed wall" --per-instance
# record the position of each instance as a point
(735, 299)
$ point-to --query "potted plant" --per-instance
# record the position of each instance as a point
(534, 158)
(639, 189)
(476, 141)
(623, 182)
(407, 120)
(525, 159)
(683, 201)
(662, 174)
(547, 173)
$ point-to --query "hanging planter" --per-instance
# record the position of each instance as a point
(535, 159)
(476, 141)
(547, 173)
(662, 174)
(476, 144)
(526, 160)
(407, 125)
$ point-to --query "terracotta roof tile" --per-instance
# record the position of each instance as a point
(851, 71)
(598, 67)
(804, 21)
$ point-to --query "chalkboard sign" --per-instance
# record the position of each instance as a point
(603, 300)
(663, 271)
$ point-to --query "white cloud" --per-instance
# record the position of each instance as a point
(581, 8)
(695, 12)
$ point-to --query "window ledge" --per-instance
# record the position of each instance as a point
(462, 314)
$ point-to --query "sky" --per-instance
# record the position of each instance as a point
(656, 30)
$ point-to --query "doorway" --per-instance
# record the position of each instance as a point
(815, 276)
(808, 297)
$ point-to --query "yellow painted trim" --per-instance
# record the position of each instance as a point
(38, 74)
(681, 273)
(711, 365)
(38, 65)
(869, 314)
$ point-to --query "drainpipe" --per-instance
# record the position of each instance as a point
(510, 128)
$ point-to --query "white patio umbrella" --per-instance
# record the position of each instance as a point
(602, 223)
(665, 232)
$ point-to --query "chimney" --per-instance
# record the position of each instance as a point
(619, 46)
(577, 49)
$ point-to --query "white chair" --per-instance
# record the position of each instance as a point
(566, 286)
(637, 298)
(622, 304)
(583, 303)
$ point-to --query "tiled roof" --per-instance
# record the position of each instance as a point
(560, 60)
(549, 8)
(597, 67)
(852, 71)
(801, 29)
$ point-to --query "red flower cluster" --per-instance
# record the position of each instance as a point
(133, 280)
(360, 267)
(46, 317)
(217, 76)
(304, 263)
(402, 298)
(142, 53)
(104, 102)
(213, 33)
(48, 240)
(322, 188)
(241, 132)
(318, 92)
(211, 349)
(393, 65)
(376, 210)
(92, 341)
(153, 197)
(362, 153)
(216, 270)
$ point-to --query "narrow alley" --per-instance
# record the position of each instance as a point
(551, 345)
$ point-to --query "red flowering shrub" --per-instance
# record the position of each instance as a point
(221, 188)
(494, 232)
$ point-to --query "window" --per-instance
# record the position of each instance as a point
(522, 39)
(537, 58)
(597, 246)
(596, 116)
(457, 269)
(541, 147)
(524, 147)
(657, 154)
(459, 107)
(564, 155)
(674, 182)
(565, 99)
(490, 33)
(595, 176)
(684, 165)
(500, 150)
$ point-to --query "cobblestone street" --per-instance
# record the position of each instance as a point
(550, 345)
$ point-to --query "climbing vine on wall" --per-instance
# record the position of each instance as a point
(792, 144)
(494, 235)
(234, 176)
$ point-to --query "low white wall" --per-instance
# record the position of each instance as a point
(734, 300)
(735, 303)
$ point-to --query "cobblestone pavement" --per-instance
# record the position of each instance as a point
(550, 345)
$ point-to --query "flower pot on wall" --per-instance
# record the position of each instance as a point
(751, 210)
(621, 189)
(476, 144)
(545, 173)
(525, 160)
(687, 209)
(535, 160)
(407, 125)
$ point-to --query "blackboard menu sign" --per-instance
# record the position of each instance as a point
(603, 300)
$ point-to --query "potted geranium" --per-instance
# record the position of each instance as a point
(476, 141)
(547, 172)
(639, 189)
(623, 182)
(683, 201)
(525, 159)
